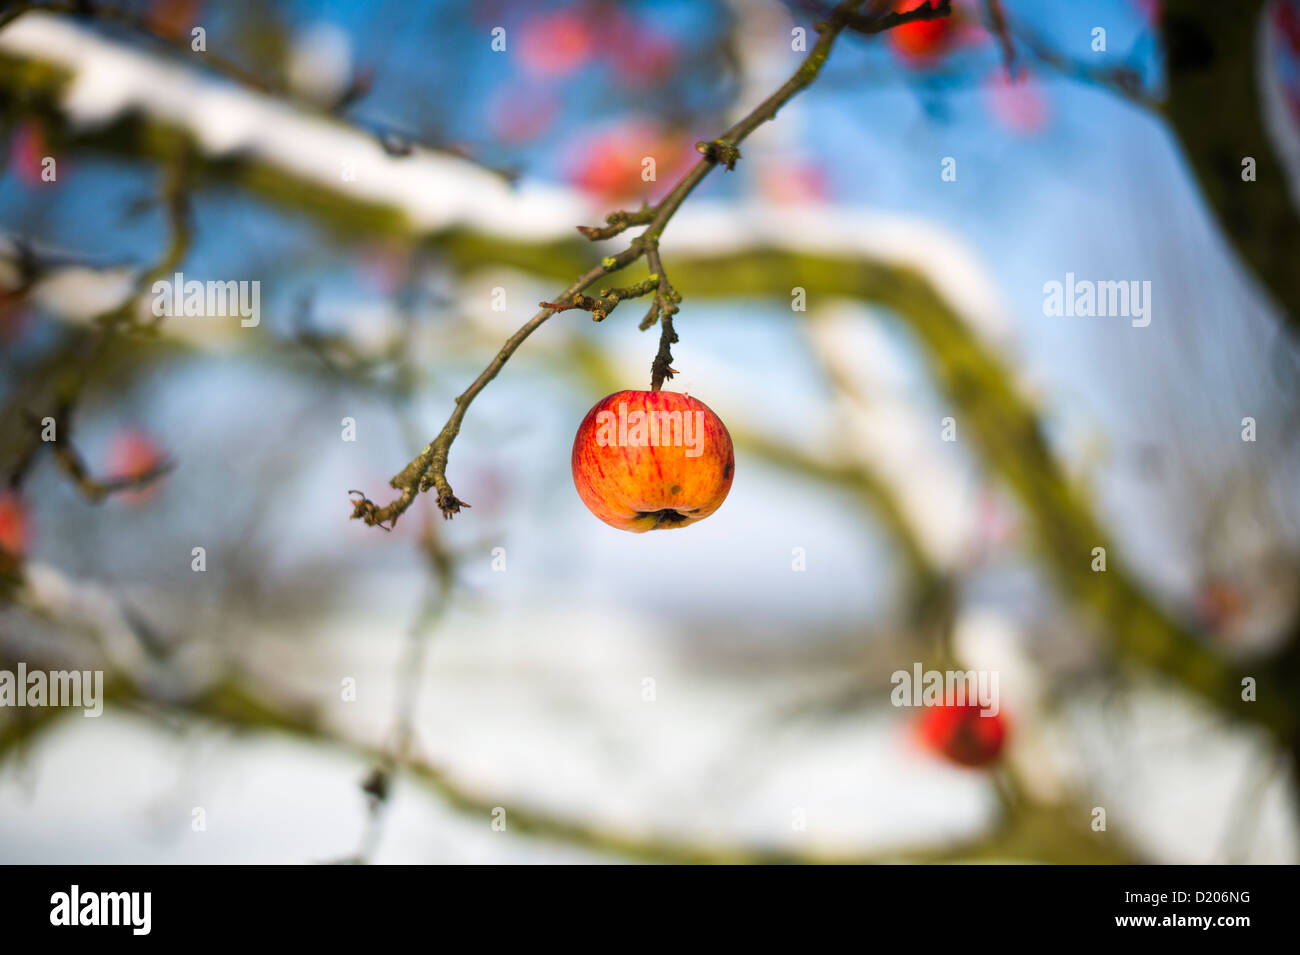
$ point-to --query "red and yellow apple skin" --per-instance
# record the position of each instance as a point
(638, 476)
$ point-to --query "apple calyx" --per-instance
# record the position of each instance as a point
(663, 518)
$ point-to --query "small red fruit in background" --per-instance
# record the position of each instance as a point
(27, 152)
(610, 164)
(172, 19)
(1150, 11)
(521, 112)
(962, 734)
(15, 530)
(639, 54)
(1219, 604)
(921, 40)
(790, 182)
(1018, 104)
(132, 455)
(555, 44)
(14, 527)
(652, 460)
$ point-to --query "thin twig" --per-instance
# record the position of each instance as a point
(665, 307)
(601, 305)
(997, 24)
(84, 354)
(617, 222)
(428, 469)
(96, 489)
(1123, 79)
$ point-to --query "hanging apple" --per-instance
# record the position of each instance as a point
(15, 532)
(652, 460)
(966, 734)
(132, 456)
(922, 41)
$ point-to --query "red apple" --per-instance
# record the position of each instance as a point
(789, 182)
(131, 456)
(173, 18)
(610, 164)
(555, 44)
(652, 460)
(963, 734)
(14, 529)
(1018, 104)
(520, 112)
(921, 40)
(638, 53)
(27, 152)
(1220, 604)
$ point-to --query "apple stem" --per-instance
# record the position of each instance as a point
(665, 306)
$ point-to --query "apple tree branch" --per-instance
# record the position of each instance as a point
(428, 470)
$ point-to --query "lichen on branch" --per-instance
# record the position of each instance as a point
(601, 305)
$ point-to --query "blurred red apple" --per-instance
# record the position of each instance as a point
(1018, 104)
(610, 165)
(172, 18)
(27, 152)
(792, 181)
(1150, 10)
(962, 734)
(1219, 604)
(14, 527)
(133, 454)
(648, 60)
(610, 169)
(555, 44)
(520, 112)
(921, 40)
(652, 460)
(638, 53)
